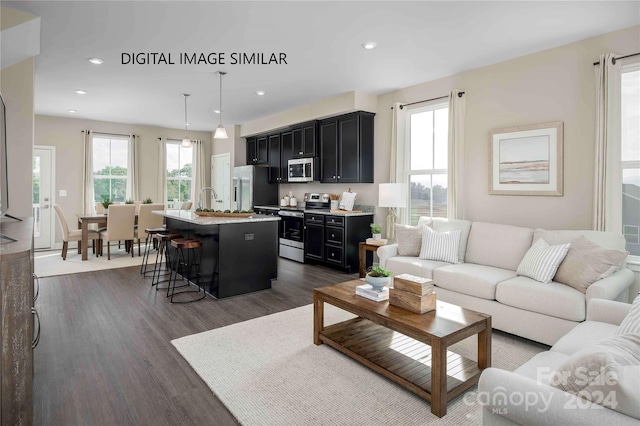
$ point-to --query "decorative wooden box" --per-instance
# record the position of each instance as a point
(412, 302)
(413, 284)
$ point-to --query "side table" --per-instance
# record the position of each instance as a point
(363, 248)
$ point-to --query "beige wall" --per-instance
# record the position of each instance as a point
(17, 87)
(65, 134)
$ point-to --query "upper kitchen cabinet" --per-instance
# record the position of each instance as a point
(280, 151)
(257, 150)
(346, 148)
(304, 139)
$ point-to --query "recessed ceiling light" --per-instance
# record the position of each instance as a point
(188, 124)
(81, 92)
(369, 45)
(217, 111)
(72, 111)
(96, 61)
(260, 92)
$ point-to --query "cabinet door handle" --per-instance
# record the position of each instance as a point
(338, 176)
(37, 290)
(334, 176)
(333, 235)
(300, 153)
(36, 339)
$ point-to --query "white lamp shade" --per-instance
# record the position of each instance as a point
(392, 195)
(186, 142)
(221, 133)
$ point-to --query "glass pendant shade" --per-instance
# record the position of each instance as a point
(186, 143)
(221, 133)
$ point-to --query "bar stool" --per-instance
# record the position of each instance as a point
(187, 257)
(150, 233)
(162, 239)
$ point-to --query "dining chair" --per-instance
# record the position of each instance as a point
(120, 225)
(73, 235)
(186, 205)
(146, 220)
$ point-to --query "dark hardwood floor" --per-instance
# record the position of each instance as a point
(105, 355)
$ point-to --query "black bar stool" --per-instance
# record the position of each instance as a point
(163, 239)
(147, 242)
(186, 259)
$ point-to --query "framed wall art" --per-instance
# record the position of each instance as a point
(526, 160)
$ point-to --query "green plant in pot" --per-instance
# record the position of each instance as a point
(376, 231)
(129, 201)
(378, 277)
(106, 202)
(147, 201)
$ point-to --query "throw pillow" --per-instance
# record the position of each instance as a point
(631, 323)
(409, 239)
(586, 262)
(606, 373)
(441, 246)
(542, 260)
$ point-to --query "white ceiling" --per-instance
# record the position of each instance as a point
(417, 41)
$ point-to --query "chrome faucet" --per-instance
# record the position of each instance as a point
(215, 196)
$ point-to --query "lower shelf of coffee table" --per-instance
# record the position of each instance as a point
(398, 357)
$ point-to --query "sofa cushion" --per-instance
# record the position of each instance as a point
(413, 266)
(606, 372)
(586, 262)
(441, 246)
(542, 366)
(542, 260)
(501, 246)
(555, 299)
(474, 280)
(631, 323)
(588, 331)
(609, 240)
(409, 239)
(441, 224)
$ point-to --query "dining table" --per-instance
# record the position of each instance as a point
(84, 220)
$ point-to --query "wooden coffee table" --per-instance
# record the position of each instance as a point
(408, 348)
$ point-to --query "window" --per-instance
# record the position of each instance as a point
(110, 165)
(427, 146)
(179, 174)
(630, 140)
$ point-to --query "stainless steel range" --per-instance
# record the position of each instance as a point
(292, 225)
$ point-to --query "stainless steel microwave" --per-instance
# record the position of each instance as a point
(301, 170)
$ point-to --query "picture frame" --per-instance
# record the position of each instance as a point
(527, 160)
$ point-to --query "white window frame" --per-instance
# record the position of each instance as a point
(631, 259)
(432, 106)
(178, 178)
(111, 137)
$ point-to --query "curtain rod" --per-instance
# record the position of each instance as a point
(110, 134)
(613, 60)
(427, 100)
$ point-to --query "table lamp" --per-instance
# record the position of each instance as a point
(393, 196)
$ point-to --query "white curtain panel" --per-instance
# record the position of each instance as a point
(199, 172)
(397, 164)
(162, 171)
(89, 205)
(132, 170)
(456, 154)
(608, 173)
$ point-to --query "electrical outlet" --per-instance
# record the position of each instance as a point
(63, 192)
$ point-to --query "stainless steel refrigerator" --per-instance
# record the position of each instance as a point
(251, 187)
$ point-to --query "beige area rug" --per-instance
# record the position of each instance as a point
(49, 263)
(267, 371)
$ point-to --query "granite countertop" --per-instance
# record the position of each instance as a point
(366, 210)
(191, 217)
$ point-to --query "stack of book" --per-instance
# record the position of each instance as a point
(380, 242)
(367, 291)
(413, 293)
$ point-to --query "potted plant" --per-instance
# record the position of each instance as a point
(106, 202)
(147, 201)
(378, 277)
(376, 231)
(129, 201)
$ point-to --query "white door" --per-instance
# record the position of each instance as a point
(43, 184)
(221, 181)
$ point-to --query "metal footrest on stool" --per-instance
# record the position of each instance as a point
(149, 241)
(186, 259)
(163, 240)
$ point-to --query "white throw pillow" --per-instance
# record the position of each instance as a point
(441, 246)
(542, 260)
(631, 323)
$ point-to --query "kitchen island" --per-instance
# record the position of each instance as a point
(239, 254)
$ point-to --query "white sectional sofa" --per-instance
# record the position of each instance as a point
(486, 280)
(526, 396)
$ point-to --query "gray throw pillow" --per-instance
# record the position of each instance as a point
(409, 239)
(586, 262)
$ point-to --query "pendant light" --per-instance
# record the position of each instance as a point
(221, 133)
(186, 142)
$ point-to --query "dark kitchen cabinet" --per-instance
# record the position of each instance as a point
(286, 153)
(304, 139)
(257, 150)
(332, 240)
(274, 147)
(314, 237)
(346, 148)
